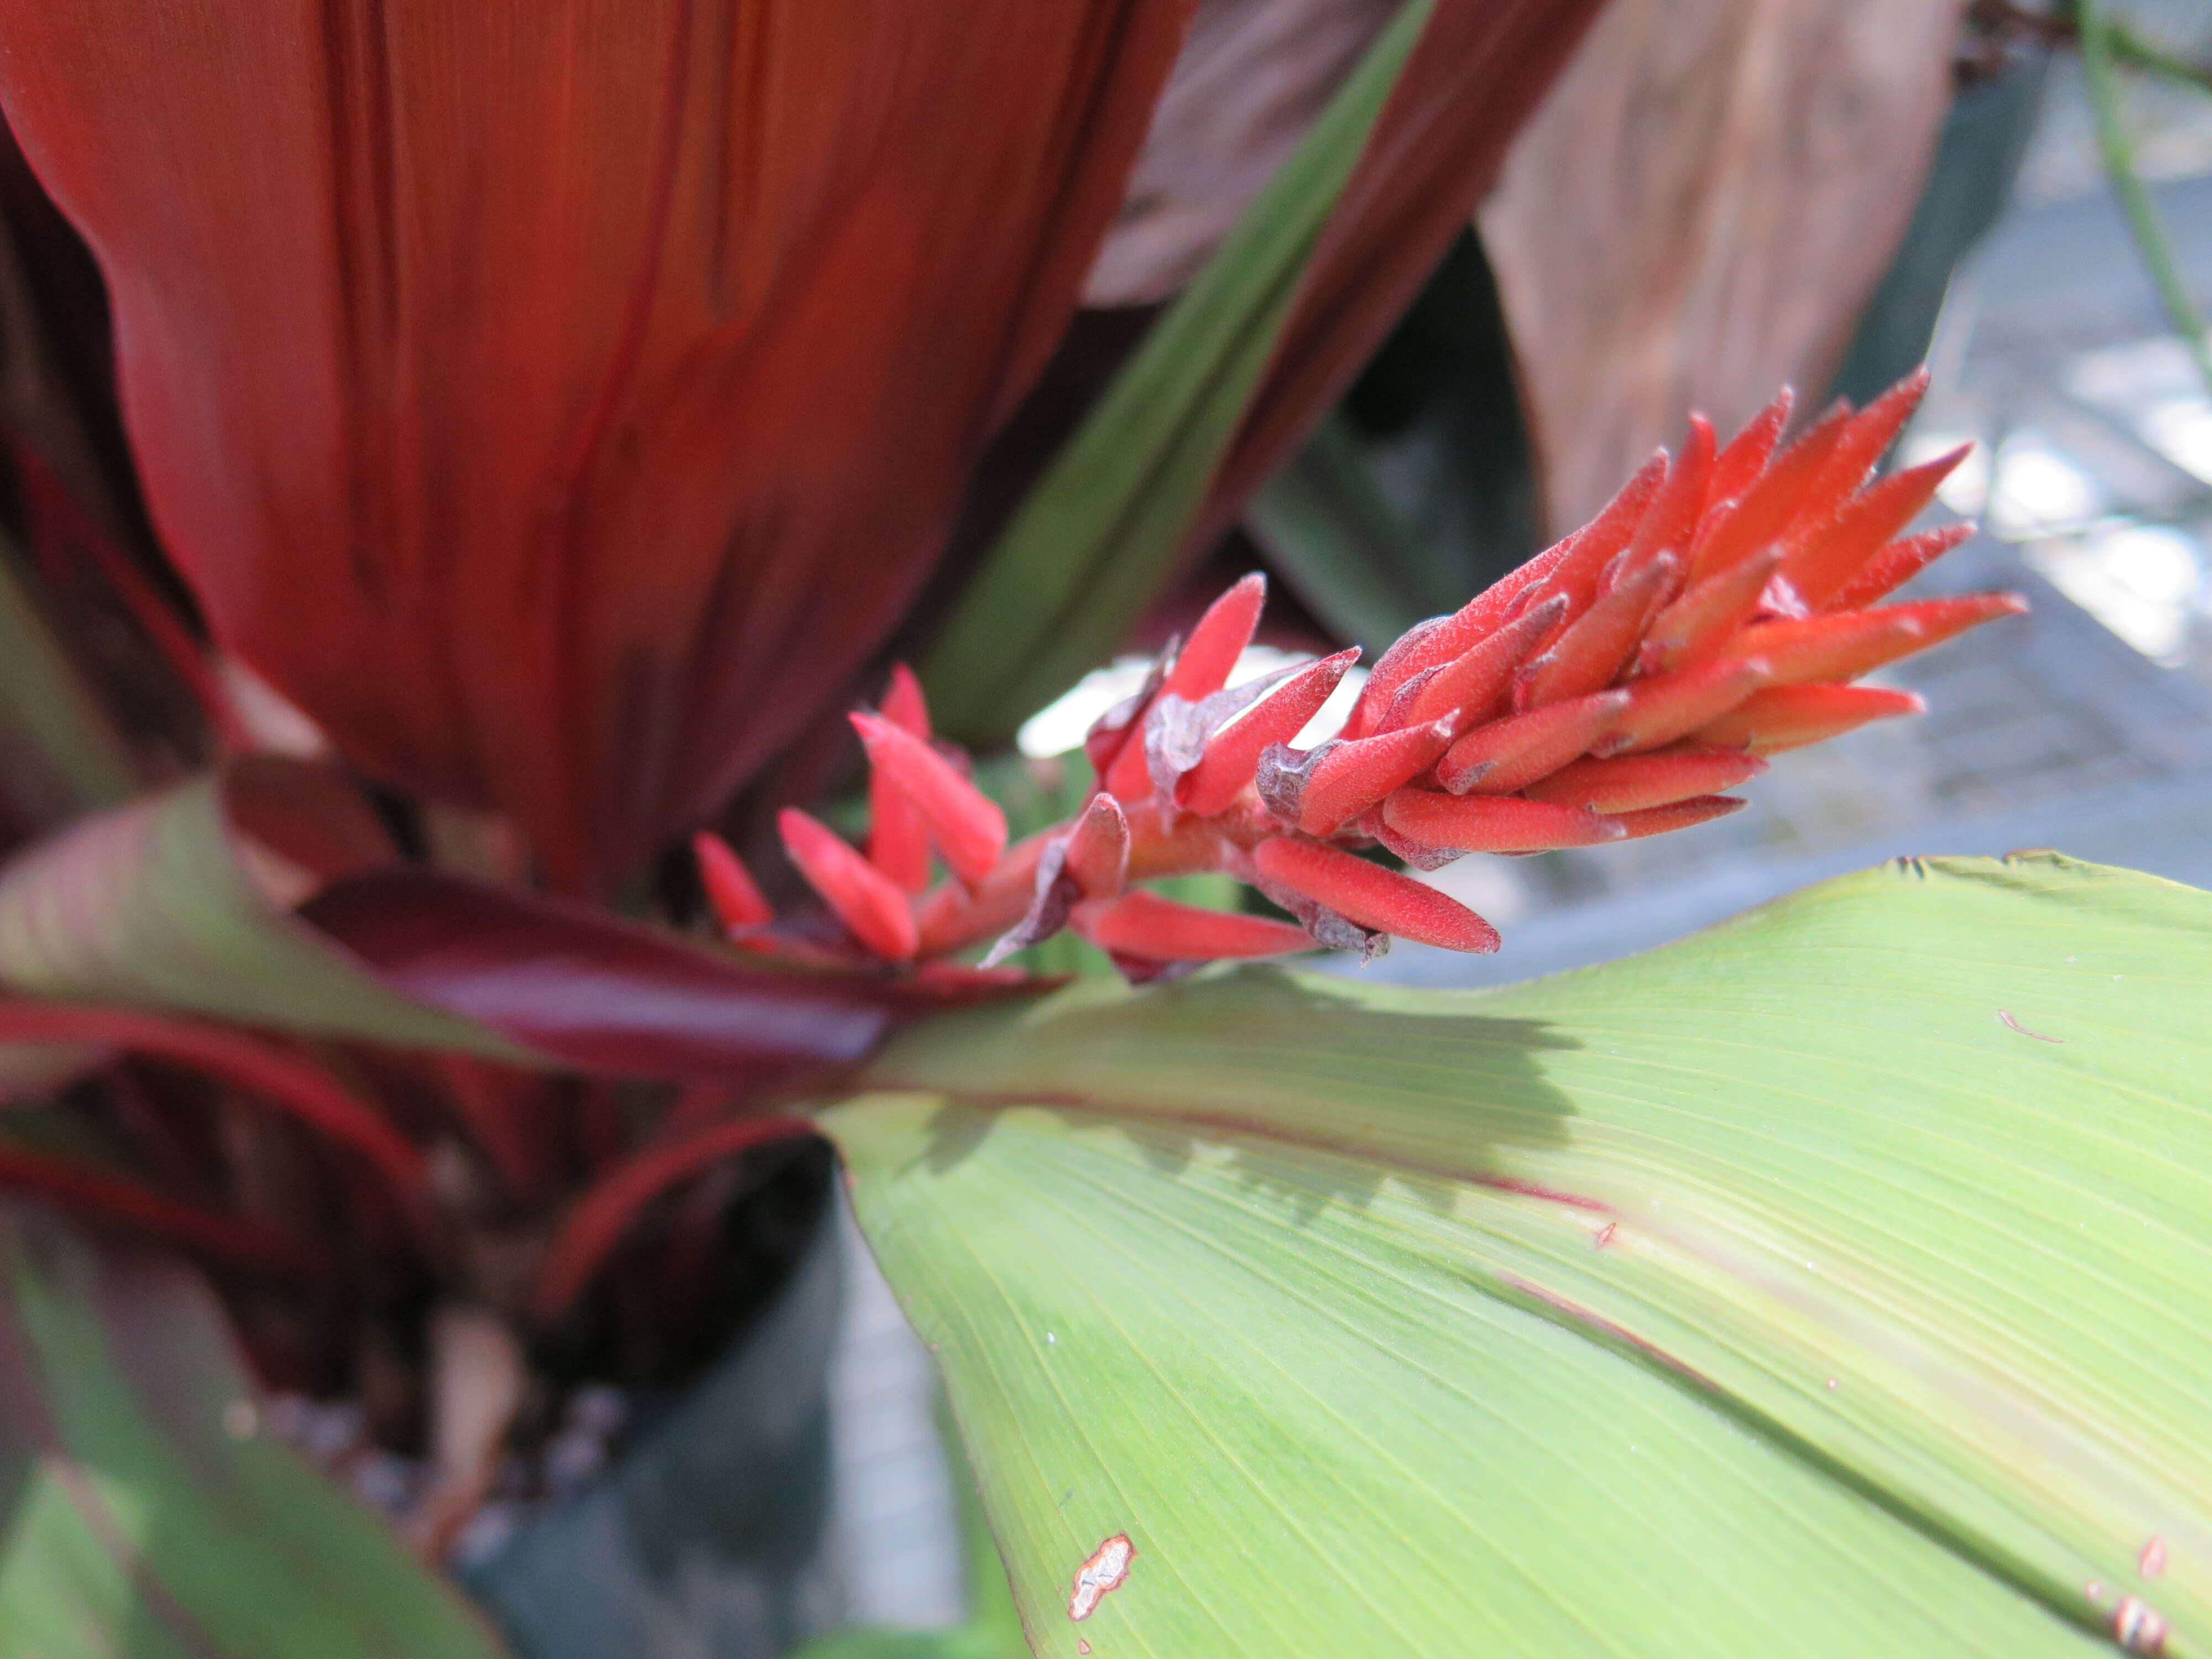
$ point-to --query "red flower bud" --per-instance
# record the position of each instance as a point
(1680, 815)
(1226, 767)
(1699, 623)
(1472, 687)
(1506, 755)
(1595, 546)
(1141, 924)
(1844, 646)
(1770, 503)
(1870, 432)
(1629, 783)
(1668, 706)
(1372, 896)
(1790, 716)
(1350, 777)
(873, 910)
(732, 893)
(898, 840)
(1203, 665)
(1494, 823)
(1738, 466)
(1593, 650)
(1896, 565)
(1673, 520)
(1820, 558)
(1097, 855)
(967, 825)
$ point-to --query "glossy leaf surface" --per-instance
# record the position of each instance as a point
(558, 401)
(149, 1512)
(167, 903)
(1834, 1282)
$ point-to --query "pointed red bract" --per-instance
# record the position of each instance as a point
(1862, 443)
(1593, 548)
(1674, 515)
(1768, 505)
(560, 402)
(1507, 755)
(1896, 565)
(1225, 771)
(874, 911)
(1595, 649)
(1372, 896)
(1745, 456)
(1822, 558)
(1156, 929)
(1668, 706)
(1209, 657)
(1492, 823)
(1629, 783)
(1353, 777)
(1472, 686)
(1790, 716)
(966, 824)
(731, 892)
(1701, 623)
(898, 839)
(1846, 645)
(1679, 815)
(1097, 855)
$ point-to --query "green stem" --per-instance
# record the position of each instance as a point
(2132, 49)
(2097, 53)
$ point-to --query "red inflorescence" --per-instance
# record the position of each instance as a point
(1714, 613)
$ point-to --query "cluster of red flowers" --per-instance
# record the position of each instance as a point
(1714, 613)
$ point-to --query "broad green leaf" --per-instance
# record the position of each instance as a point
(143, 1511)
(61, 753)
(1098, 533)
(1836, 1282)
(1349, 554)
(151, 904)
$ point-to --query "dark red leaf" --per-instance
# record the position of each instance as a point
(1481, 68)
(594, 991)
(560, 402)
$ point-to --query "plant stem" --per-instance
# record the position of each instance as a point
(2097, 54)
(2132, 49)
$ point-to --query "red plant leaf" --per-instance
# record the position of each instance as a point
(595, 1223)
(98, 1194)
(560, 402)
(1480, 69)
(583, 987)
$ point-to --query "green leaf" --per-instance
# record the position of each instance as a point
(1351, 556)
(153, 905)
(147, 1512)
(1100, 531)
(61, 753)
(1837, 1281)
